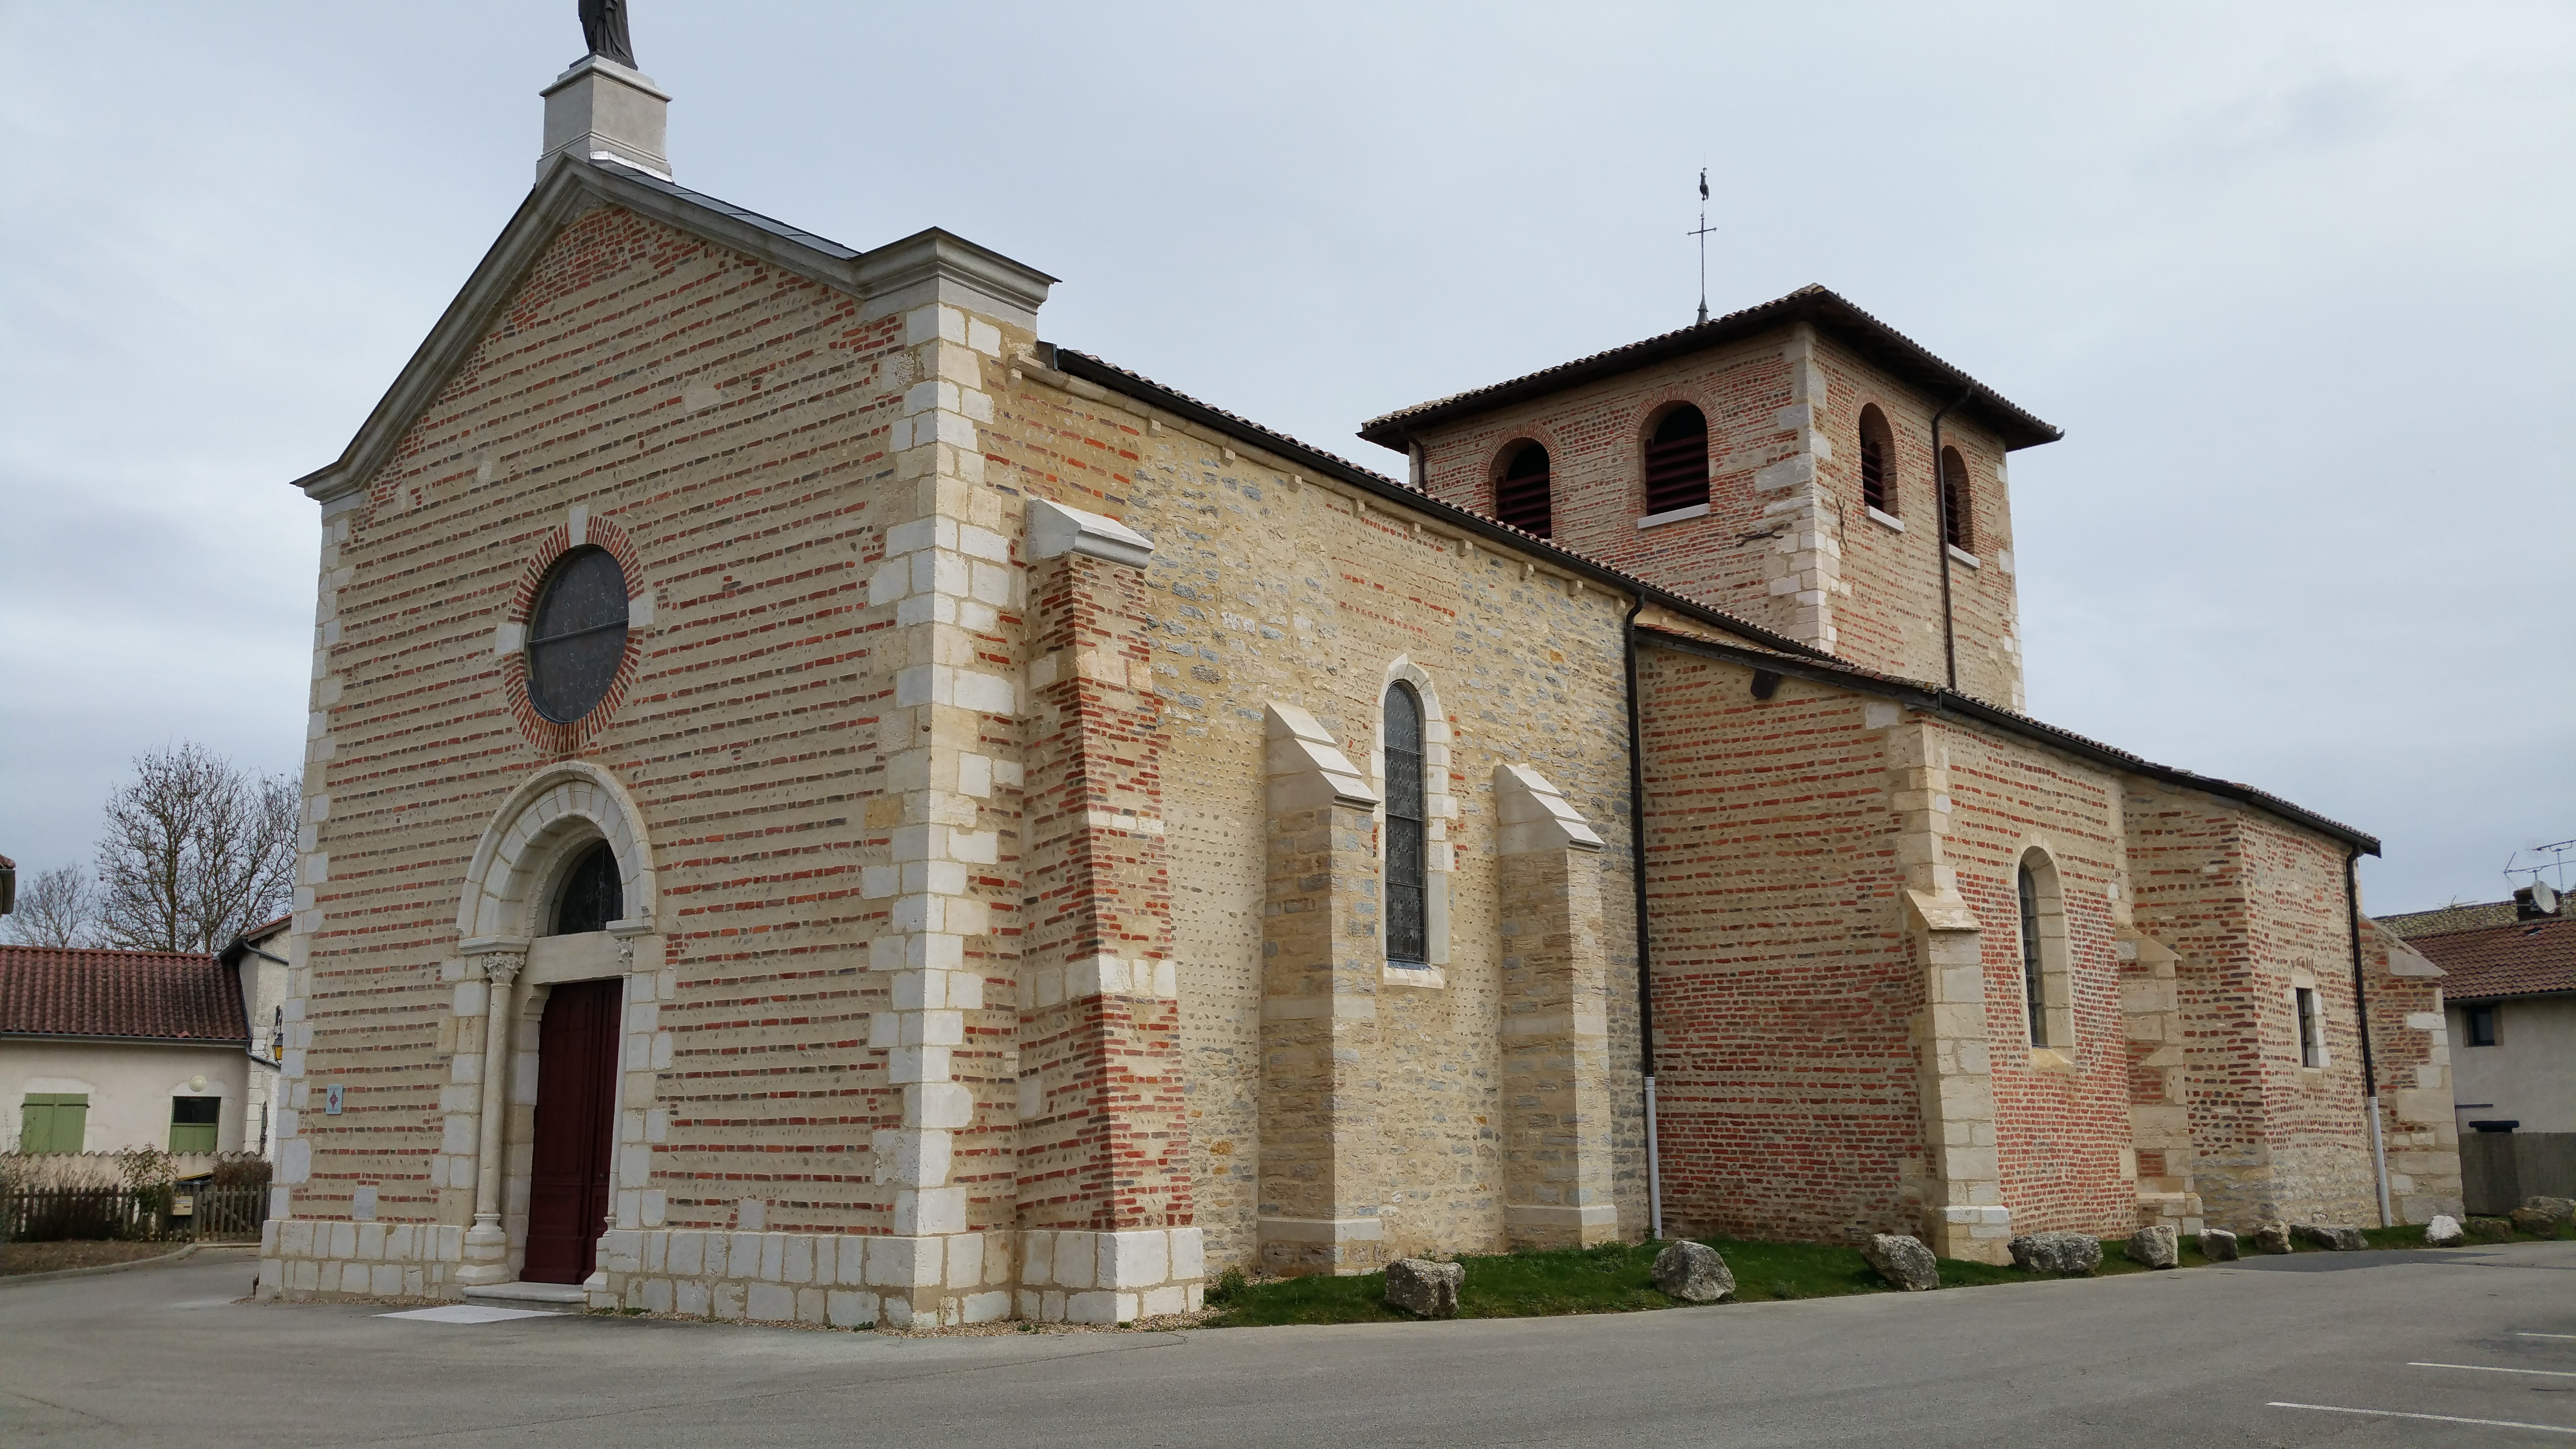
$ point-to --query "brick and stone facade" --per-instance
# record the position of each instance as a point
(996, 784)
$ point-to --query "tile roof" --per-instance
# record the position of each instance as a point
(158, 995)
(1814, 304)
(2457, 916)
(2526, 958)
(1775, 651)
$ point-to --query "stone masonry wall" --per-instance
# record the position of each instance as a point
(1270, 588)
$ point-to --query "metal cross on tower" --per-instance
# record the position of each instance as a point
(1702, 234)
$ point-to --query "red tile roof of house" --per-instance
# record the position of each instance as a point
(156, 995)
(2527, 958)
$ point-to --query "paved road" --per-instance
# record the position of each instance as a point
(165, 1356)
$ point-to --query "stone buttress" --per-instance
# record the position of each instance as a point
(1557, 1119)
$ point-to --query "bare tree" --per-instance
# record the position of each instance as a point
(60, 908)
(196, 852)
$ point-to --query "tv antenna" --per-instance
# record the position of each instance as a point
(2551, 858)
(1702, 234)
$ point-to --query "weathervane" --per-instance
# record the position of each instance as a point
(1702, 234)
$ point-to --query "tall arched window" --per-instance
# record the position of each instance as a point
(591, 895)
(1407, 934)
(1677, 462)
(1521, 494)
(2033, 974)
(1877, 462)
(1954, 502)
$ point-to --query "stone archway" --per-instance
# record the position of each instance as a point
(558, 810)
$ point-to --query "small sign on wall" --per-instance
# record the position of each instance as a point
(331, 1099)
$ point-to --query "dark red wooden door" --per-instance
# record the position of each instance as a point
(576, 1129)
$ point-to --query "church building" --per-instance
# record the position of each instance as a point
(827, 805)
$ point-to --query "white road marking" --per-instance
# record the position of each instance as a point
(2549, 1335)
(2484, 1369)
(2434, 1418)
(468, 1313)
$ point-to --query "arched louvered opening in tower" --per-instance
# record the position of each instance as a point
(1521, 494)
(1955, 500)
(1677, 462)
(1877, 462)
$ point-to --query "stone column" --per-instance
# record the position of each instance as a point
(1319, 981)
(1961, 1186)
(487, 1243)
(1104, 1167)
(1557, 1140)
(947, 736)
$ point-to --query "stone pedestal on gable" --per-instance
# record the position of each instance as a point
(1555, 1020)
(1319, 982)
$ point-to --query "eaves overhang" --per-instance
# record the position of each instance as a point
(898, 274)
(1933, 699)
(1828, 311)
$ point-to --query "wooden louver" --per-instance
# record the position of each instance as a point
(1954, 502)
(1677, 462)
(1873, 475)
(1521, 497)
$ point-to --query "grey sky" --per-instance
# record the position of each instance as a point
(2296, 280)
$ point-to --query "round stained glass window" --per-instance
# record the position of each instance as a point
(577, 635)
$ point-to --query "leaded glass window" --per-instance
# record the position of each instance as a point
(592, 895)
(577, 635)
(2033, 1000)
(1406, 935)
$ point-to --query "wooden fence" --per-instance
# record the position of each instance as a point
(202, 1214)
(2500, 1169)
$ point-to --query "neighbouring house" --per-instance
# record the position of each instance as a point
(827, 806)
(2510, 995)
(105, 1050)
(257, 958)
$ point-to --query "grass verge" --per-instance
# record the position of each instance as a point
(1618, 1278)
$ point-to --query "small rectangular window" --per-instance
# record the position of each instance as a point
(2310, 1049)
(193, 1121)
(2482, 1026)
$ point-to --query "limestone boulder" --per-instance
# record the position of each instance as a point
(1424, 1288)
(2560, 1209)
(1694, 1273)
(2329, 1236)
(1903, 1261)
(2444, 1232)
(2535, 1221)
(2157, 1247)
(2272, 1237)
(2218, 1245)
(2491, 1227)
(2077, 1254)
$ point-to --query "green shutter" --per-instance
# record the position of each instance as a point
(53, 1122)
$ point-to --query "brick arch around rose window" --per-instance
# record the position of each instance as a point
(578, 530)
(1438, 808)
(537, 833)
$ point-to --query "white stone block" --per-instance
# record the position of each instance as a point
(771, 1303)
(850, 1310)
(797, 1265)
(1189, 1253)
(1134, 1259)
(991, 1307)
(658, 1296)
(344, 1241)
(353, 1278)
(384, 1280)
(692, 1296)
(1155, 1302)
(1095, 1307)
(966, 1260)
(944, 1105)
(773, 1256)
(905, 1262)
(688, 1253)
(1077, 1260)
(1037, 1258)
(930, 1211)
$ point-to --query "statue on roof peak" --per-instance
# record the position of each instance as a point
(603, 25)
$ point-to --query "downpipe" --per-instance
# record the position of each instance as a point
(1637, 874)
(2361, 1015)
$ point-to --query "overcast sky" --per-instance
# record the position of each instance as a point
(2299, 282)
